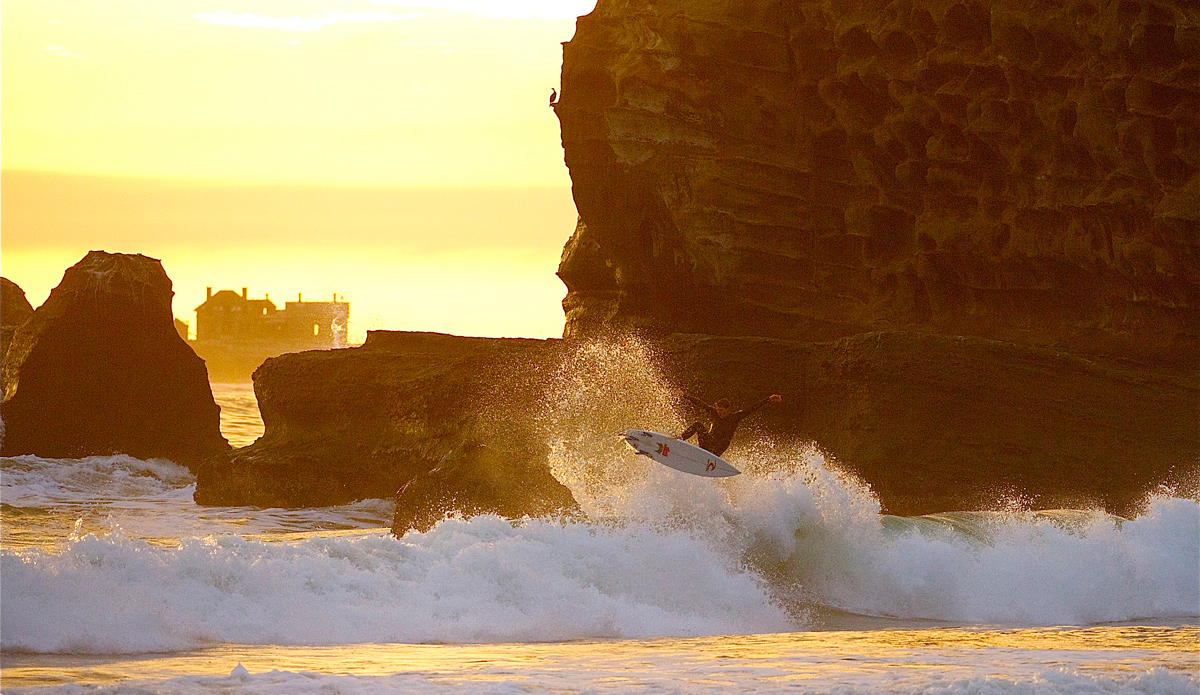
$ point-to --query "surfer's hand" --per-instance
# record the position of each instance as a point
(775, 398)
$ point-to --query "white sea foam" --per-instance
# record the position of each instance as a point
(1026, 569)
(664, 554)
(47, 501)
(817, 538)
(690, 560)
(32, 481)
(476, 580)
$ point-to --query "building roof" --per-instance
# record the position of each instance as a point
(226, 298)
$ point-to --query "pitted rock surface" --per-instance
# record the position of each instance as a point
(820, 168)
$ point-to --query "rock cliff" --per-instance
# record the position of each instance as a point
(100, 369)
(819, 168)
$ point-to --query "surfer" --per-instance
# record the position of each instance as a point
(716, 438)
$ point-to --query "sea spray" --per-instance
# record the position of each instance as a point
(815, 537)
(601, 389)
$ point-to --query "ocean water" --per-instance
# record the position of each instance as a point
(785, 579)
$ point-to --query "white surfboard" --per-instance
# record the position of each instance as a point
(678, 454)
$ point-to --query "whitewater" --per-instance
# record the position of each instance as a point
(785, 579)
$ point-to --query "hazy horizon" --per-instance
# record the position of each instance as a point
(471, 261)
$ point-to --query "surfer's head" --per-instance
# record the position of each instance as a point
(724, 407)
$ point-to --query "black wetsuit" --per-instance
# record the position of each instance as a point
(717, 437)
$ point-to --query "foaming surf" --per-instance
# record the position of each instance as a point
(46, 502)
(815, 537)
(478, 580)
(660, 555)
(758, 557)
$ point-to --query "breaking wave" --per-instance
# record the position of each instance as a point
(675, 556)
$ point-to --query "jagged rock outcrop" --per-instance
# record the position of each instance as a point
(930, 422)
(477, 479)
(100, 369)
(356, 423)
(15, 310)
(818, 168)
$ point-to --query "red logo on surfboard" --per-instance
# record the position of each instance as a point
(664, 450)
(711, 466)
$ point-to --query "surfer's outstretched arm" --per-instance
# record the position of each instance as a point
(773, 398)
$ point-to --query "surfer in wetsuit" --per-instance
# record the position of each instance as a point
(716, 438)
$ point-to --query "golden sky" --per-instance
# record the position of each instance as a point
(343, 92)
(400, 154)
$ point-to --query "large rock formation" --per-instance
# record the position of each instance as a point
(343, 425)
(15, 310)
(929, 422)
(100, 369)
(819, 168)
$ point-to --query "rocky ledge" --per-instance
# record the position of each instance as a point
(405, 409)
(1017, 171)
(931, 423)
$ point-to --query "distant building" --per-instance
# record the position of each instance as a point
(235, 333)
(228, 316)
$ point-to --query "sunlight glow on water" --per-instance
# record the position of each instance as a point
(241, 423)
(944, 660)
